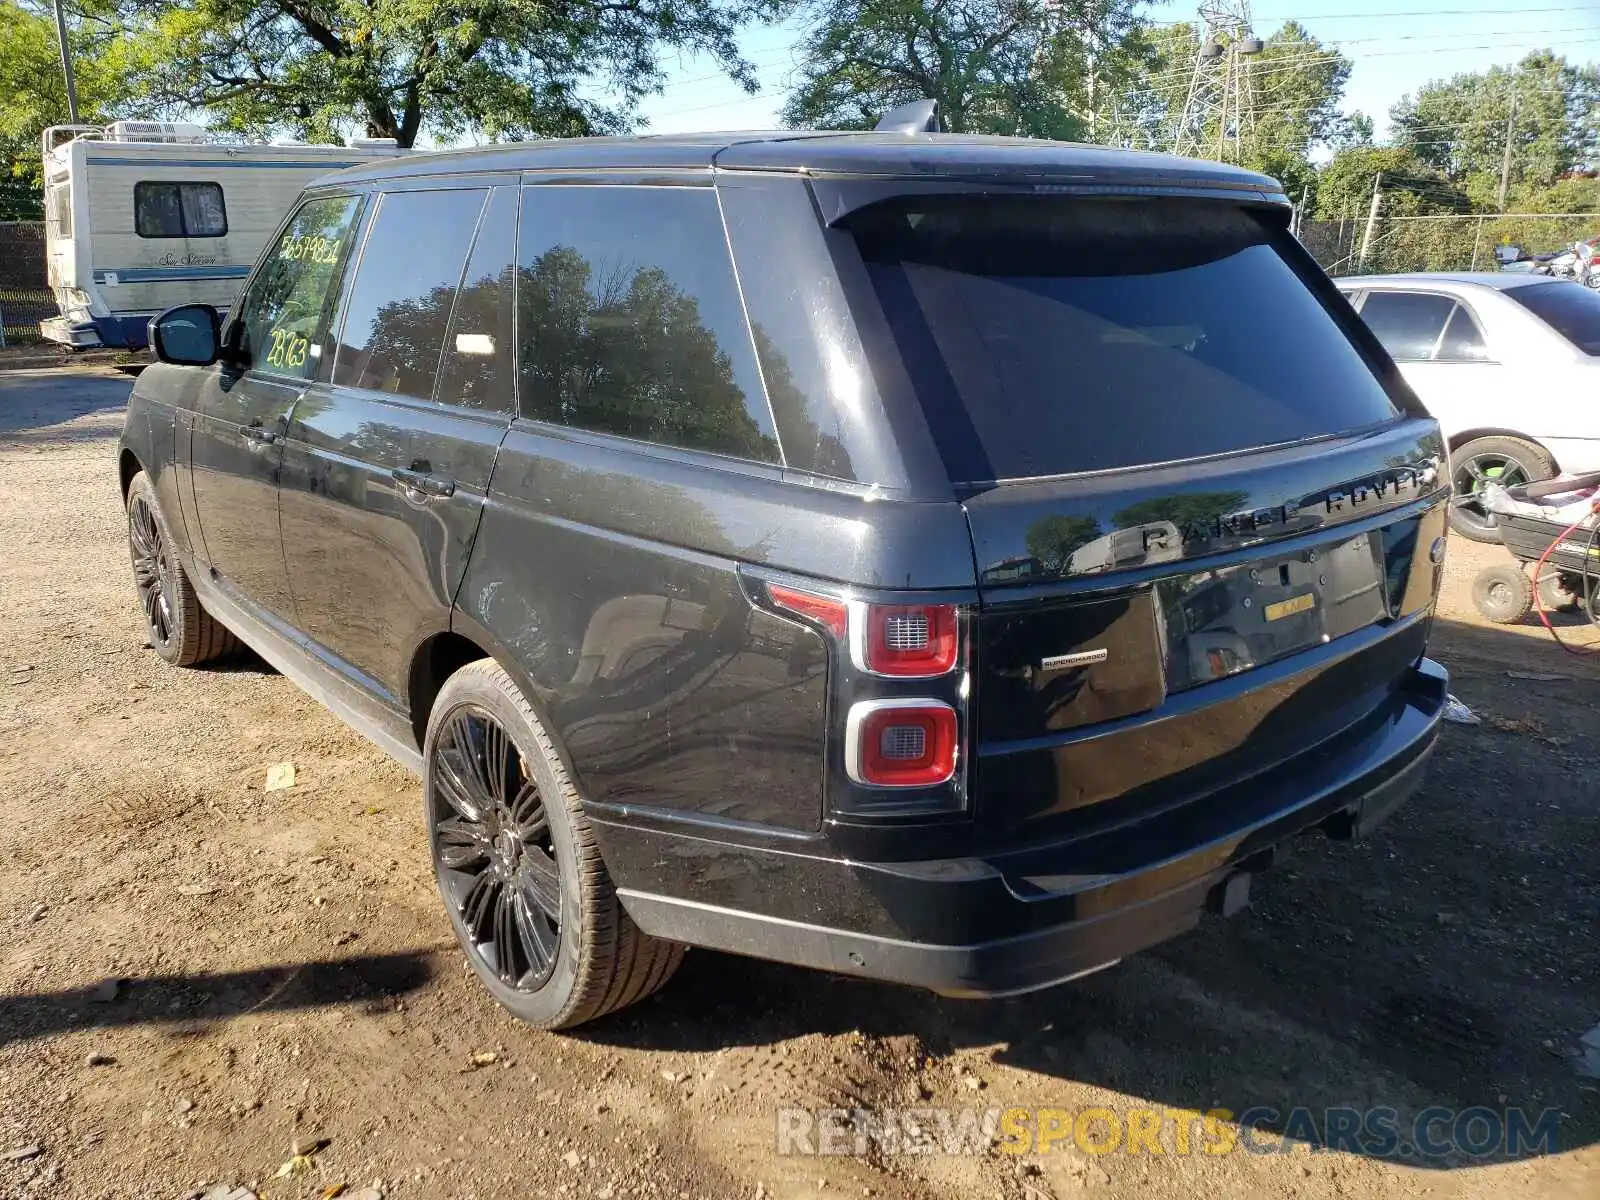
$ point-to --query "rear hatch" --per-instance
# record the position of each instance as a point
(1202, 526)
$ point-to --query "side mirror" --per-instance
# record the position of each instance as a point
(189, 335)
(1507, 254)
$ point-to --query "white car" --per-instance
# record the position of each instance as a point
(1508, 364)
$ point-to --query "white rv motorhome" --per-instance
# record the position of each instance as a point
(142, 215)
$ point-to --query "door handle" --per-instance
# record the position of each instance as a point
(258, 435)
(423, 485)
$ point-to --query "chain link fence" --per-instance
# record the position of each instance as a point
(1439, 243)
(25, 297)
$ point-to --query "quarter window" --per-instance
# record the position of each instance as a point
(630, 323)
(1462, 341)
(179, 210)
(405, 286)
(1407, 323)
(282, 316)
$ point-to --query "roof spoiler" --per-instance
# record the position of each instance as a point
(920, 116)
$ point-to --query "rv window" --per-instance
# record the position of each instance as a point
(58, 208)
(172, 210)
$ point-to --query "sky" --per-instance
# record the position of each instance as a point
(1394, 46)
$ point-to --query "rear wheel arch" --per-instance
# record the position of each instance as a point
(465, 642)
(466, 631)
(435, 660)
(128, 465)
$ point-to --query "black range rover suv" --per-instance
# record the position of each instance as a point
(956, 561)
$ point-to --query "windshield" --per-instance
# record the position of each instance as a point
(1571, 309)
(1050, 335)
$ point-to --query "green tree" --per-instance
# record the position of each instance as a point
(1036, 67)
(1196, 512)
(1296, 84)
(1052, 540)
(1289, 103)
(1410, 186)
(1343, 198)
(395, 68)
(1144, 112)
(33, 94)
(1458, 126)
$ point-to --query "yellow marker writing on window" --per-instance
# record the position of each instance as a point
(288, 349)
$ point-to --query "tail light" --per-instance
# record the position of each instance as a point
(904, 641)
(833, 615)
(903, 754)
(893, 743)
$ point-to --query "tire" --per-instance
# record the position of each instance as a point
(1503, 594)
(509, 841)
(1508, 460)
(181, 631)
(1554, 596)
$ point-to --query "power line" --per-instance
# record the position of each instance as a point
(1270, 62)
(1327, 50)
(1438, 12)
(1310, 58)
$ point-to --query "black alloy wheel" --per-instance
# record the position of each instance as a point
(492, 845)
(152, 572)
(526, 889)
(181, 631)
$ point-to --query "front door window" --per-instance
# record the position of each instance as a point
(283, 315)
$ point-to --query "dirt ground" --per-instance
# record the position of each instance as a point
(197, 974)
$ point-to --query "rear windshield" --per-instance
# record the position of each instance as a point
(1053, 335)
(1571, 309)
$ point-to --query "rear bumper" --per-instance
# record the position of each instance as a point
(1029, 917)
(66, 333)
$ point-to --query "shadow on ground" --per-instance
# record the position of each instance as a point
(204, 998)
(1447, 959)
(34, 404)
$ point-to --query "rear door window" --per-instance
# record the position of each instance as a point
(629, 320)
(1048, 335)
(1571, 309)
(1407, 323)
(405, 287)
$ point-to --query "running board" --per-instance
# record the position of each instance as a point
(357, 706)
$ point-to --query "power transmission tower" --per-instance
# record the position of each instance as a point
(1218, 114)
